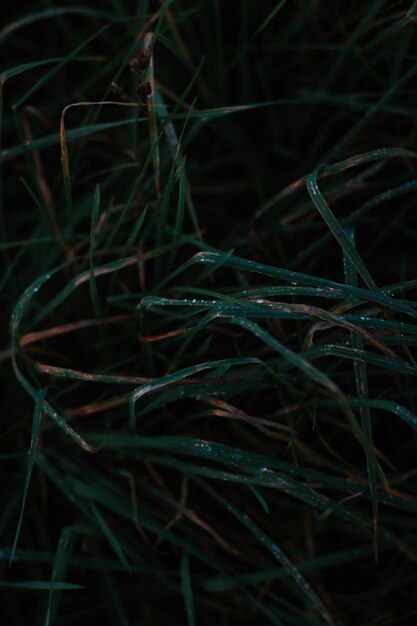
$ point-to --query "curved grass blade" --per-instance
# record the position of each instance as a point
(359, 355)
(63, 140)
(250, 468)
(260, 308)
(385, 405)
(163, 381)
(336, 168)
(221, 258)
(337, 230)
(17, 315)
(297, 278)
(80, 279)
(353, 218)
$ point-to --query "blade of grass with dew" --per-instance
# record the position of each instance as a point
(228, 306)
(17, 315)
(365, 356)
(297, 278)
(256, 468)
(163, 381)
(263, 477)
(313, 480)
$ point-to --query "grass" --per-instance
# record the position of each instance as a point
(208, 261)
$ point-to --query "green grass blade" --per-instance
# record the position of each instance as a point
(187, 590)
(95, 298)
(362, 389)
(40, 585)
(34, 441)
(163, 381)
(274, 549)
(59, 569)
(337, 230)
(111, 538)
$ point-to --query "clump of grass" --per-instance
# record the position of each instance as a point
(207, 237)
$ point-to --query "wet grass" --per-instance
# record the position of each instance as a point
(208, 259)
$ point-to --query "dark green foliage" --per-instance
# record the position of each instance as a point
(208, 234)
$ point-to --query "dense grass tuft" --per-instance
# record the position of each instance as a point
(208, 235)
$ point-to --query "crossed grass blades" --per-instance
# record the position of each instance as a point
(207, 235)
